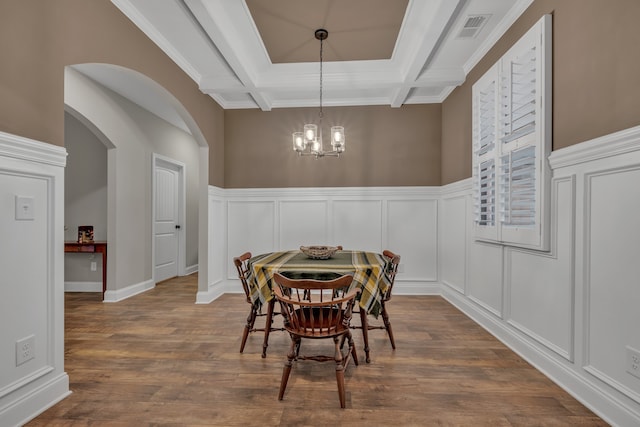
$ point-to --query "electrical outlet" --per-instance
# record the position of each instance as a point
(25, 349)
(633, 362)
(94, 266)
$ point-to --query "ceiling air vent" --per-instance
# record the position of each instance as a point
(472, 26)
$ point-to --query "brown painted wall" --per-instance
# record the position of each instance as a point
(596, 77)
(385, 147)
(39, 38)
(596, 91)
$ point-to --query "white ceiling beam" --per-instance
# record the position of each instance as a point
(221, 39)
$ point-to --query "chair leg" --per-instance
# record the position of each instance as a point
(352, 348)
(267, 326)
(387, 326)
(365, 333)
(247, 327)
(339, 372)
(286, 371)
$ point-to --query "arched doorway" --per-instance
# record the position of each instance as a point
(135, 118)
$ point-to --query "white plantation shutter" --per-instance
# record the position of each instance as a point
(485, 132)
(486, 208)
(518, 79)
(518, 188)
(521, 141)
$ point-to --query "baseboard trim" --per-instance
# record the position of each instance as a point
(129, 291)
(416, 288)
(36, 402)
(83, 286)
(191, 269)
(215, 291)
(611, 409)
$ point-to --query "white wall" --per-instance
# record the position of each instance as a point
(134, 135)
(31, 279)
(572, 311)
(85, 201)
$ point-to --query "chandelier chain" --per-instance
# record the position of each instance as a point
(321, 49)
(309, 141)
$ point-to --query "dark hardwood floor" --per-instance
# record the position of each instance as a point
(159, 359)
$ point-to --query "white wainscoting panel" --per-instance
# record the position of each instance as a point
(303, 223)
(216, 243)
(402, 219)
(250, 227)
(412, 232)
(485, 275)
(357, 224)
(453, 234)
(573, 311)
(541, 285)
(31, 277)
(612, 272)
(453, 221)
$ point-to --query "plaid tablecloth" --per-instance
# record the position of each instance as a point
(368, 268)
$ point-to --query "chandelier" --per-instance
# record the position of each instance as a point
(309, 141)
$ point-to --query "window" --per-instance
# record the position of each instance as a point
(511, 143)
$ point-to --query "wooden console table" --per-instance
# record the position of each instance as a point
(95, 247)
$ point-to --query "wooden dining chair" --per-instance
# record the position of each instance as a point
(317, 309)
(393, 261)
(242, 265)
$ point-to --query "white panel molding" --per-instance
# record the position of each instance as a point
(451, 192)
(129, 291)
(292, 197)
(567, 353)
(419, 231)
(331, 192)
(30, 150)
(38, 169)
(588, 179)
(444, 240)
(217, 245)
(458, 188)
(369, 215)
(291, 214)
(612, 145)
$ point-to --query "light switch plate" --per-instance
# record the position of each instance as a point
(24, 208)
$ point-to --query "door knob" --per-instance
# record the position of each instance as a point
(177, 227)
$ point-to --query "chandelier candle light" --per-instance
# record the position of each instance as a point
(309, 142)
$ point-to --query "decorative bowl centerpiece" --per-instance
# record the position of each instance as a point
(318, 252)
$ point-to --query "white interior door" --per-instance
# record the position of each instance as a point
(167, 219)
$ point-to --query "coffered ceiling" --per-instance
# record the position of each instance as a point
(263, 53)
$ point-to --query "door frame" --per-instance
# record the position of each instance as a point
(181, 168)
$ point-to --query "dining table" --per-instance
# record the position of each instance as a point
(369, 270)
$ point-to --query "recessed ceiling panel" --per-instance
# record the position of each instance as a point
(263, 53)
(358, 29)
